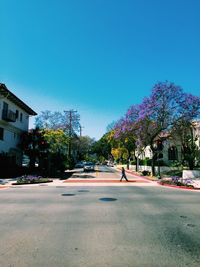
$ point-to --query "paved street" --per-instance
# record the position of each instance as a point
(70, 225)
(106, 176)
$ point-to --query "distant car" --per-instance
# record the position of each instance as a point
(79, 165)
(88, 166)
(110, 164)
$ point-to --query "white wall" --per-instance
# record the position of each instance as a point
(188, 174)
(13, 130)
(11, 140)
(168, 143)
(23, 125)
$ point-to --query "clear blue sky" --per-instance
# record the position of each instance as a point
(97, 56)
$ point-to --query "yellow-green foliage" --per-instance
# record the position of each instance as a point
(118, 153)
(56, 139)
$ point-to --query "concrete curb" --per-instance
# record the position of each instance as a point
(158, 183)
(179, 187)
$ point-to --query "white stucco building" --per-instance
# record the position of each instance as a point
(172, 147)
(14, 119)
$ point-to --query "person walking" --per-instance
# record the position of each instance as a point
(123, 175)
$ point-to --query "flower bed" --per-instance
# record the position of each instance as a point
(176, 181)
(31, 179)
(168, 182)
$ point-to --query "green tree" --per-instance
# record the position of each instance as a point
(55, 154)
(83, 146)
(68, 121)
(102, 148)
(31, 145)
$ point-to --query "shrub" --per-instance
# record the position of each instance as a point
(160, 163)
(175, 181)
(173, 173)
(145, 162)
(133, 162)
(31, 179)
(146, 173)
(175, 163)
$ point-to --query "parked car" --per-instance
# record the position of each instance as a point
(79, 164)
(110, 164)
(88, 166)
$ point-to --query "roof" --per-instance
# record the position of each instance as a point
(13, 98)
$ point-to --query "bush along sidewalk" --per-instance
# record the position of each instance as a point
(31, 179)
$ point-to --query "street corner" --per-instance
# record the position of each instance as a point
(179, 187)
(4, 187)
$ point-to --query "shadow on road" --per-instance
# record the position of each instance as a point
(83, 176)
(108, 171)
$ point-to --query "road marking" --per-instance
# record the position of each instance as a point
(4, 186)
(103, 181)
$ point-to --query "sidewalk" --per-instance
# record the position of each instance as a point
(85, 179)
(195, 183)
(138, 178)
(136, 175)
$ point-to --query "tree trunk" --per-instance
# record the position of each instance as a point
(128, 160)
(136, 164)
(128, 164)
(32, 158)
(191, 162)
(153, 171)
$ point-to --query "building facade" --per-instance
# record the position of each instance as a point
(14, 119)
(172, 147)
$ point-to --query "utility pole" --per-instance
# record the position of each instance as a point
(72, 119)
(70, 133)
(81, 127)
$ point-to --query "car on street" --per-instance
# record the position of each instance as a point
(88, 166)
(79, 164)
(110, 165)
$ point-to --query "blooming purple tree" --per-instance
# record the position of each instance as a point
(167, 109)
(166, 106)
(184, 129)
(125, 132)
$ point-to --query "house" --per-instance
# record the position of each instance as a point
(14, 119)
(172, 147)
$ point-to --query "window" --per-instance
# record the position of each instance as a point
(21, 116)
(172, 153)
(5, 110)
(1, 133)
(5, 106)
(17, 114)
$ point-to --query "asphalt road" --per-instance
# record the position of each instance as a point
(42, 226)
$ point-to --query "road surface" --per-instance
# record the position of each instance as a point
(72, 226)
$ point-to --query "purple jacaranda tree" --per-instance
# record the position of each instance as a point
(166, 105)
(185, 129)
(125, 132)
